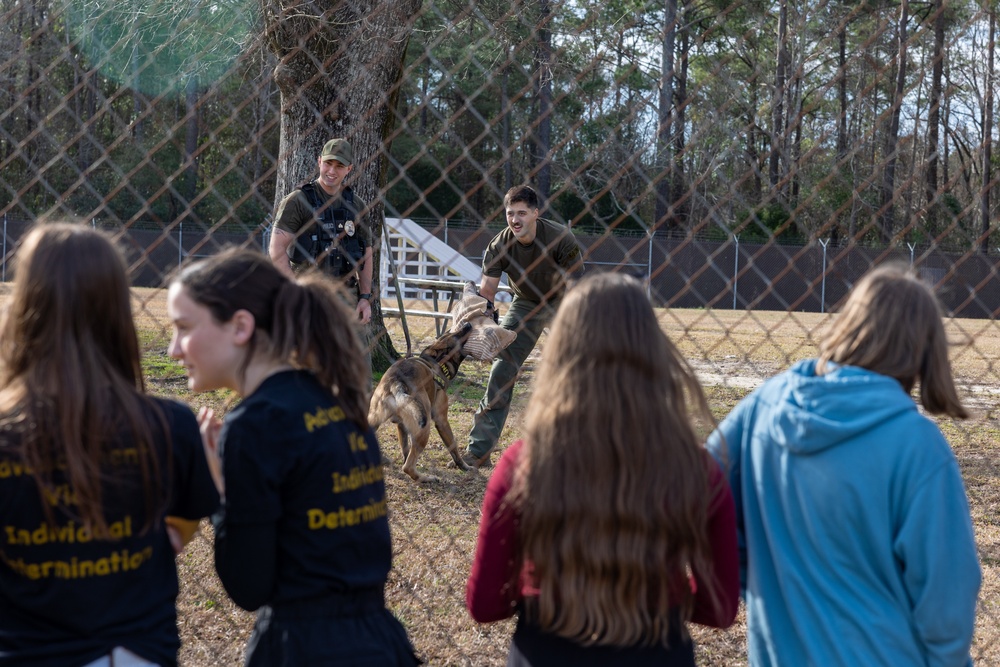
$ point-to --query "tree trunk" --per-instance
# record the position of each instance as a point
(886, 212)
(842, 162)
(984, 197)
(946, 123)
(339, 70)
(261, 110)
(137, 108)
(795, 156)
(681, 202)
(190, 145)
(934, 117)
(842, 94)
(505, 132)
(543, 87)
(755, 148)
(778, 100)
(664, 215)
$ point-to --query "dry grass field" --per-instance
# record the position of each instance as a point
(434, 526)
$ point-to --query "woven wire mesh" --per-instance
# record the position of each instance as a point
(750, 161)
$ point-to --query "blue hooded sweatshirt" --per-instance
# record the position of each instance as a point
(856, 542)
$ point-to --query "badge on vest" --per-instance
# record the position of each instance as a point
(349, 228)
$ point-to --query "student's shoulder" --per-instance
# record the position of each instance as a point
(286, 399)
(174, 411)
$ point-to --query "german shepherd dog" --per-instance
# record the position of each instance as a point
(413, 393)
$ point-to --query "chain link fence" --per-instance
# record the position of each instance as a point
(749, 160)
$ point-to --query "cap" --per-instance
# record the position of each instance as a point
(339, 150)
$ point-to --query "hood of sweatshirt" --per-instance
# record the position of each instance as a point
(814, 412)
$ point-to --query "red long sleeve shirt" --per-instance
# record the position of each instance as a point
(495, 586)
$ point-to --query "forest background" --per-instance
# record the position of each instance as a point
(858, 122)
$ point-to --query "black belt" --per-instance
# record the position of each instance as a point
(332, 604)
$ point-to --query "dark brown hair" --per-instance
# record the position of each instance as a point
(891, 325)
(305, 322)
(521, 193)
(70, 376)
(612, 485)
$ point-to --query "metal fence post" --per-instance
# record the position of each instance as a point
(911, 246)
(822, 289)
(4, 276)
(736, 268)
(649, 265)
(180, 243)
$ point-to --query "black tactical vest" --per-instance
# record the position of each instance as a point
(318, 243)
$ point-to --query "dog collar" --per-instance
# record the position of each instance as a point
(444, 377)
(442, 374)
(446, 371)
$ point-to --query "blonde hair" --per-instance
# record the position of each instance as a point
(612, 485)
(891, 325)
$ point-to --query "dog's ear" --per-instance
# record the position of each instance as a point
(470, 289)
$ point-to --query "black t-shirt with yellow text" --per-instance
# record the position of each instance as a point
(293, 460)
(67, 597)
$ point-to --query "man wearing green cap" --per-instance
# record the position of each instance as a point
(320, 224)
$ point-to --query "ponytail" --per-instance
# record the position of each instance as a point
(314, 328)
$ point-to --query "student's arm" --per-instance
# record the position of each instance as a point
(246, 562)
(246, 528)
(725, 573)
(936, 549)
(725, 445)
(193, 493)
(493, 589)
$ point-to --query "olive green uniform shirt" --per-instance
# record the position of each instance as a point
(537, 271)
(296, 213)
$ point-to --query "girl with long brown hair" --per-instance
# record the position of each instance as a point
(91, 467)
(608, 527)
(304, 533)
(856, 538)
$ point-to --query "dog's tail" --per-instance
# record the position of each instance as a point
(391, 403)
